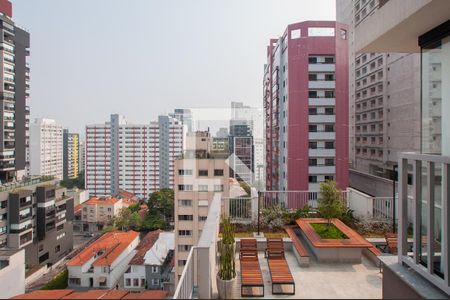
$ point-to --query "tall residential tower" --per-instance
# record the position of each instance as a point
(306, 107)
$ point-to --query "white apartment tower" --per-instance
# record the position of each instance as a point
(46, 148)
(137, 158)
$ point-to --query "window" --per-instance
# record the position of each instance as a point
(329, 77)
(312, 179)
(329, 110)
(181, 262)
(295, 34)
(312, 60)
(135, 281)
(329, 128)
(185, 187)
(312, 111)
(329, 177)
(155, 281)
(312, 162)
(218, 172)
(329, 60)
(312, 94)
(142, 282)
(329, 145)
(202, 218)
(202, 187)
(74, 281)
(184, 248)
(329, 161)
(183, 172)
(329, 94)
(202, 172)
(312, 77)
(312, 128)
(41, 247)
(185, 217)
(343, 34)
(184, 232)
(154, 269)
(185, 202)
(109, 209)
(320, 31)
(57, 249)
(218, 188)
(312, 145)
(202, 202)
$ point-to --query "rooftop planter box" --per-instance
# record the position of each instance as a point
(345, 247)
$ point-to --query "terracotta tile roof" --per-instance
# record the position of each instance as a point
(114, 294)
(44, 294)
(112, 244)
(90, 294)
(125, 194)
(128, 202)
(156, 294)
(96, 201)
(77, 208)
(146, 243)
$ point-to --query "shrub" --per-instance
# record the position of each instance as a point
(59, 282)
(274, 218)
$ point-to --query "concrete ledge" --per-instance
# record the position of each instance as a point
(303, 261)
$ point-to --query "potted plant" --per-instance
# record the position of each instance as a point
(226, 277)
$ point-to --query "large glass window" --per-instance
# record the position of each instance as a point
(436, 97)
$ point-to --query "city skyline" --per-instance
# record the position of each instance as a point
(68, 75)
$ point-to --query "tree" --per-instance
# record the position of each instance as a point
(122, 219)
(330, 201)
(162, 202)
(246, 188)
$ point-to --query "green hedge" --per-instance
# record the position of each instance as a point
(59, 282)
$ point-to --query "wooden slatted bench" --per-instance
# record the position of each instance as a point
(251, 275)
(275, 246)
(248, 245)
(300, 251)
(280, 275)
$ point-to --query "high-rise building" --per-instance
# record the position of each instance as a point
(384, 103)
(71, 156)
(242, 153)
(81, 155)
(306, 107)
(132, 157)
(46, 148)
(184, 116)
(198, 176)
(253, 117)
(14, 95)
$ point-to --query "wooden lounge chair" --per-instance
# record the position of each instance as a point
(275, 247)
(391, 242)
(280, 273)
(248, 246)
(251, 276)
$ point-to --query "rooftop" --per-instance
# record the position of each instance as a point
(146, 243)
(96, 201)
(111, 245)
(158, 252)
(91, 294)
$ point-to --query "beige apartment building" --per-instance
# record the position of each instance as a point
(97, 212)
(199, 175)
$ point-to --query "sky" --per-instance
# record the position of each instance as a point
(143, 58)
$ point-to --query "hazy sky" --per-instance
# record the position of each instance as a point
(141, 58)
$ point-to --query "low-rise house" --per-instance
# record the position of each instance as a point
(91, 294)
(98, 212)
(150, 267)
(103, 262)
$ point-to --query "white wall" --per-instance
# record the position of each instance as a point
(12, 277)
(360, 203)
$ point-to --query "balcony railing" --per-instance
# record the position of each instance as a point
(430, 221)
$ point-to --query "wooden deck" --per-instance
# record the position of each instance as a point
(354, 239)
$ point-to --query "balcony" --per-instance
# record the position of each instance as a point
(322, 84)
(322, 101)
(321, 67)
(322, 118)
(322, 135)
(321, 152)
(321, 170)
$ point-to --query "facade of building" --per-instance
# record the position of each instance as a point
(46, 148)
(12, 273)
(39, 220)
(81, 155)
(14, 97)
(198, 176)
(422, 26)
(71, 155)
(103, 262)
(242, 153)
(131, 157)
(384, 103)
(96, 213)
(151, 266)
(306, 107)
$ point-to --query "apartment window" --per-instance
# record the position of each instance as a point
(202, 187)
(185, 187)
(202, 172)
(329, 145)
(312, 77)
(183, 172)
(135, 281)
(109, 209)
(74, 281)
(312, 162)
(185, 202)
(154, 269)
(155, 281)
(329, 161)
(218, 188)
(312, 60)
(329, 128)
(203, 203)
(329, 177)
(185, 218)
(312, 128)
(329, 59)
(202, 218)
(184, 232)
(312, 111)
(343, 34)
(181, 262)
(184, 248)
(295, 34)
(218, 172)
(312, 94)
(57, 249)
(329, 110)
(329, 77)
(312, 145)
(41, 247)
(329, 94)
(312, 179)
